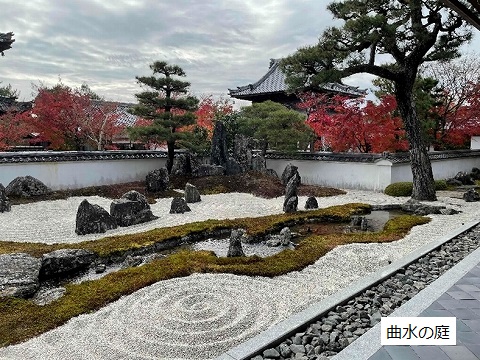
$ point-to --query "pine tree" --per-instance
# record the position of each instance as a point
(167, 106)
(409, 33)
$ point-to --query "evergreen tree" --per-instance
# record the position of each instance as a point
(274, 126)
(408, 32)
(167, 106)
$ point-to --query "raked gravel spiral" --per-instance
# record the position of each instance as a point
(203, 315)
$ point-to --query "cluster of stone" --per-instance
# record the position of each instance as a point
(290, 178)
(132, 208)
(284, 238)
(342, 325)
(26, 186)
(20, 273)
(465, 178)
(157, 180)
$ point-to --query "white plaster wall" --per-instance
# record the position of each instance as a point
(475, 143)
(346, 175)
(78, 174)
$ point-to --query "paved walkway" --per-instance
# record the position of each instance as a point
(455, 294)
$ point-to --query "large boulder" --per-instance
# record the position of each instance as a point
(288, 172)
(157, 180)
(26, 186)
(179, 206)
(219, 151)
(291, 204)
(132, 208)
(208, 170)
(465, 178)
(5, 205)
(19, 275)
(471, 196)
(418, 208)
(192, 195)
(64, 262)
(259, 164)
(475, 173)
(235, 247)
(93, 219)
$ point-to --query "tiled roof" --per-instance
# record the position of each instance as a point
(10, 103)
(124, 117)
(274, 82)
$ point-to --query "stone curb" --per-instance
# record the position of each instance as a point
(289, 326)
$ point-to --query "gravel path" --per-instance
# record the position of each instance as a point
(203, 315)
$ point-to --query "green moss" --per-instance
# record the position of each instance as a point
(22, 319)
(406, 188)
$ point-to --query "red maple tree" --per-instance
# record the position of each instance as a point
(346, 124)
(13, 127)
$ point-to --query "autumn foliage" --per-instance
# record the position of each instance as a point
(347, 124)
(13, 127)
(69, 120)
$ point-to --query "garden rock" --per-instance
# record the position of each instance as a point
(475, 173)
(26, 186)
(219, 151)
(19, 275)
(191, 194)
(259, 164)
(464, 178)
(285, 236)
(471, 196)
(242, 151)
(235, 248)
(179, 206)
(132, 208)
(208, 170)
(288, 173)
(93, 219)
(183, 165)
(157, 180)
(311, 203)
(63, 262)
(233, 167)
(271, 172)
(46, 296)
(418, 208)
(5, 205)
(291, 204)
(291, 193)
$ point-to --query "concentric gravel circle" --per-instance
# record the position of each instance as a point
(200, 315)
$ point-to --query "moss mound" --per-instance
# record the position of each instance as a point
(406, 188)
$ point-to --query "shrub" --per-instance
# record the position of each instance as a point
(405, 188)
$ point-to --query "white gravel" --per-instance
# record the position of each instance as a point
(203, 315)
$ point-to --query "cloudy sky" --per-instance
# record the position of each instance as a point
(220, 44)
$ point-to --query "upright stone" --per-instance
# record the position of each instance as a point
(288, 172)
(219, 153)
(5, 205)
(183, 165)
(235, 248)
(93, 219)
(191, 194)
(242, 151)
(157, 180)
(233, 167)
(179, 206)
(259, 164)
(132, 208)
(291, 199)
(26, 186)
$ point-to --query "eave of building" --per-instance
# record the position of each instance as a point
(469, 13)
(273, 84)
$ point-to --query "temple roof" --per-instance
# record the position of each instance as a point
(11, 104)
(273, 82)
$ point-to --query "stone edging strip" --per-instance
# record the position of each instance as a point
(290, 325)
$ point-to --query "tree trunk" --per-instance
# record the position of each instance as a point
(423, 183)
(170, 154)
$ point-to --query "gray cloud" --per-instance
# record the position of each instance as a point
(220, 44)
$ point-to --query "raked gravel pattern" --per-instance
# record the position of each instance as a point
(204, 315)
